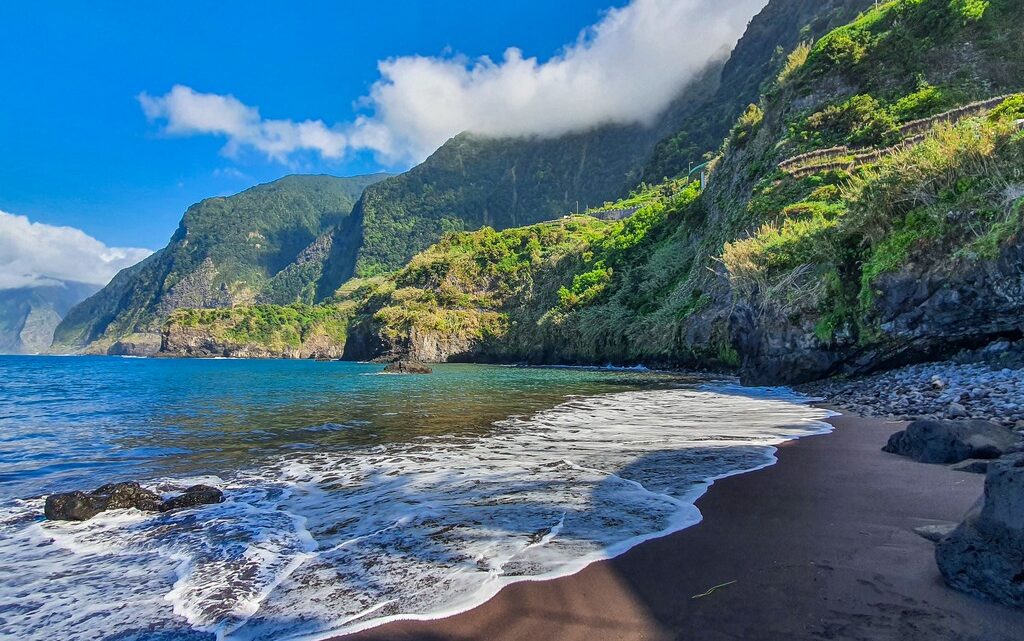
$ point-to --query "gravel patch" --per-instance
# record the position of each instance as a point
(985, 384)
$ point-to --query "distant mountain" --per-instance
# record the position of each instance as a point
(267, 244)
(28, 315)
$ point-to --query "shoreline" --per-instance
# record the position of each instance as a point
(809, 547)
(682, 522)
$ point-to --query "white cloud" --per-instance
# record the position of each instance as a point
(627, 68)
(37, 254)
(188, 112)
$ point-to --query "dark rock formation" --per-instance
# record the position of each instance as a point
(984, 555)
(82, 506)
(136, 345)
(407, 367)
(934, 441)
(193, 496)
(79, 506)
(927, 310)
(73, 506)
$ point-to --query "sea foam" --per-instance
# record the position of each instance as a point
(315, 544)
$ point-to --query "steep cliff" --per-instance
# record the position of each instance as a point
(266, 244)
(866, 213)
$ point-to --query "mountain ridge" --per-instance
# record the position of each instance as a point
(778, 271)
(225, 251)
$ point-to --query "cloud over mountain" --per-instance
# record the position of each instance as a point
(37, 253)
(627, 68)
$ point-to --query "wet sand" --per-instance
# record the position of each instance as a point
(818, 546)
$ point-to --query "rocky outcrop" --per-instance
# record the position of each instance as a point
(82, 506)
(178, 340)
(407, 367)
(984, 555)
(367, 341)
(437, 347)
(193, 496)
(928, 309)
(136, 345)
(934, 441)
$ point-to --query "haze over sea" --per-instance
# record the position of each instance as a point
(353, 497)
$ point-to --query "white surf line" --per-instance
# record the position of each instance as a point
(685, 518)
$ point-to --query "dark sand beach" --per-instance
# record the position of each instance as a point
(818, 546)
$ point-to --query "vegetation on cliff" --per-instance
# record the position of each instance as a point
(269, 244)
(877, 150)
(293, 241)
(265, 330)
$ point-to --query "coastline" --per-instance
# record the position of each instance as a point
(819, 545)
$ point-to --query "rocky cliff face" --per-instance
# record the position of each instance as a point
(924, 310)
(268, 243)
(197, 342)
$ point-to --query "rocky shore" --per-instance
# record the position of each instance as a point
(986, 384)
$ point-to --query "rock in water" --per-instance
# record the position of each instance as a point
(193, 496)
(127, 495)
(73, 506)
(984, 555)
(934, 441)
(408, 367)
(79, 506)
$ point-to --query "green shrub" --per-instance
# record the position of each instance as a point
(1012, 108)
(747, 125)
(970, 10)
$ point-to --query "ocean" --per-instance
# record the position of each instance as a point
(353, 497)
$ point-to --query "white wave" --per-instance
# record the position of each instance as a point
(319, 544)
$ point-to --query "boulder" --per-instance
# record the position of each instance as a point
(193, 496)
(80, 506)
(938, 441)
(984, 555)
(407, 367)
(73, 506)
(121, 496)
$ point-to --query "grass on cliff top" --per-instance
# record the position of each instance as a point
(459, 285)
(955, 196)
(272, 326)
(898, 62)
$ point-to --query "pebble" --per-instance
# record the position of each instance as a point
(971, 386)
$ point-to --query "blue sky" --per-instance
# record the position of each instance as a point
(115, 117)
(78, 150)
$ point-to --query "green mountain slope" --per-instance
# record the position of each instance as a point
(29, 315)
(802, 258)
(868, 211)
(474, 181)
(266, 244)
(701, 125)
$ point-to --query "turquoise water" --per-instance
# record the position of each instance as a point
(353, 497)
(69, 422)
